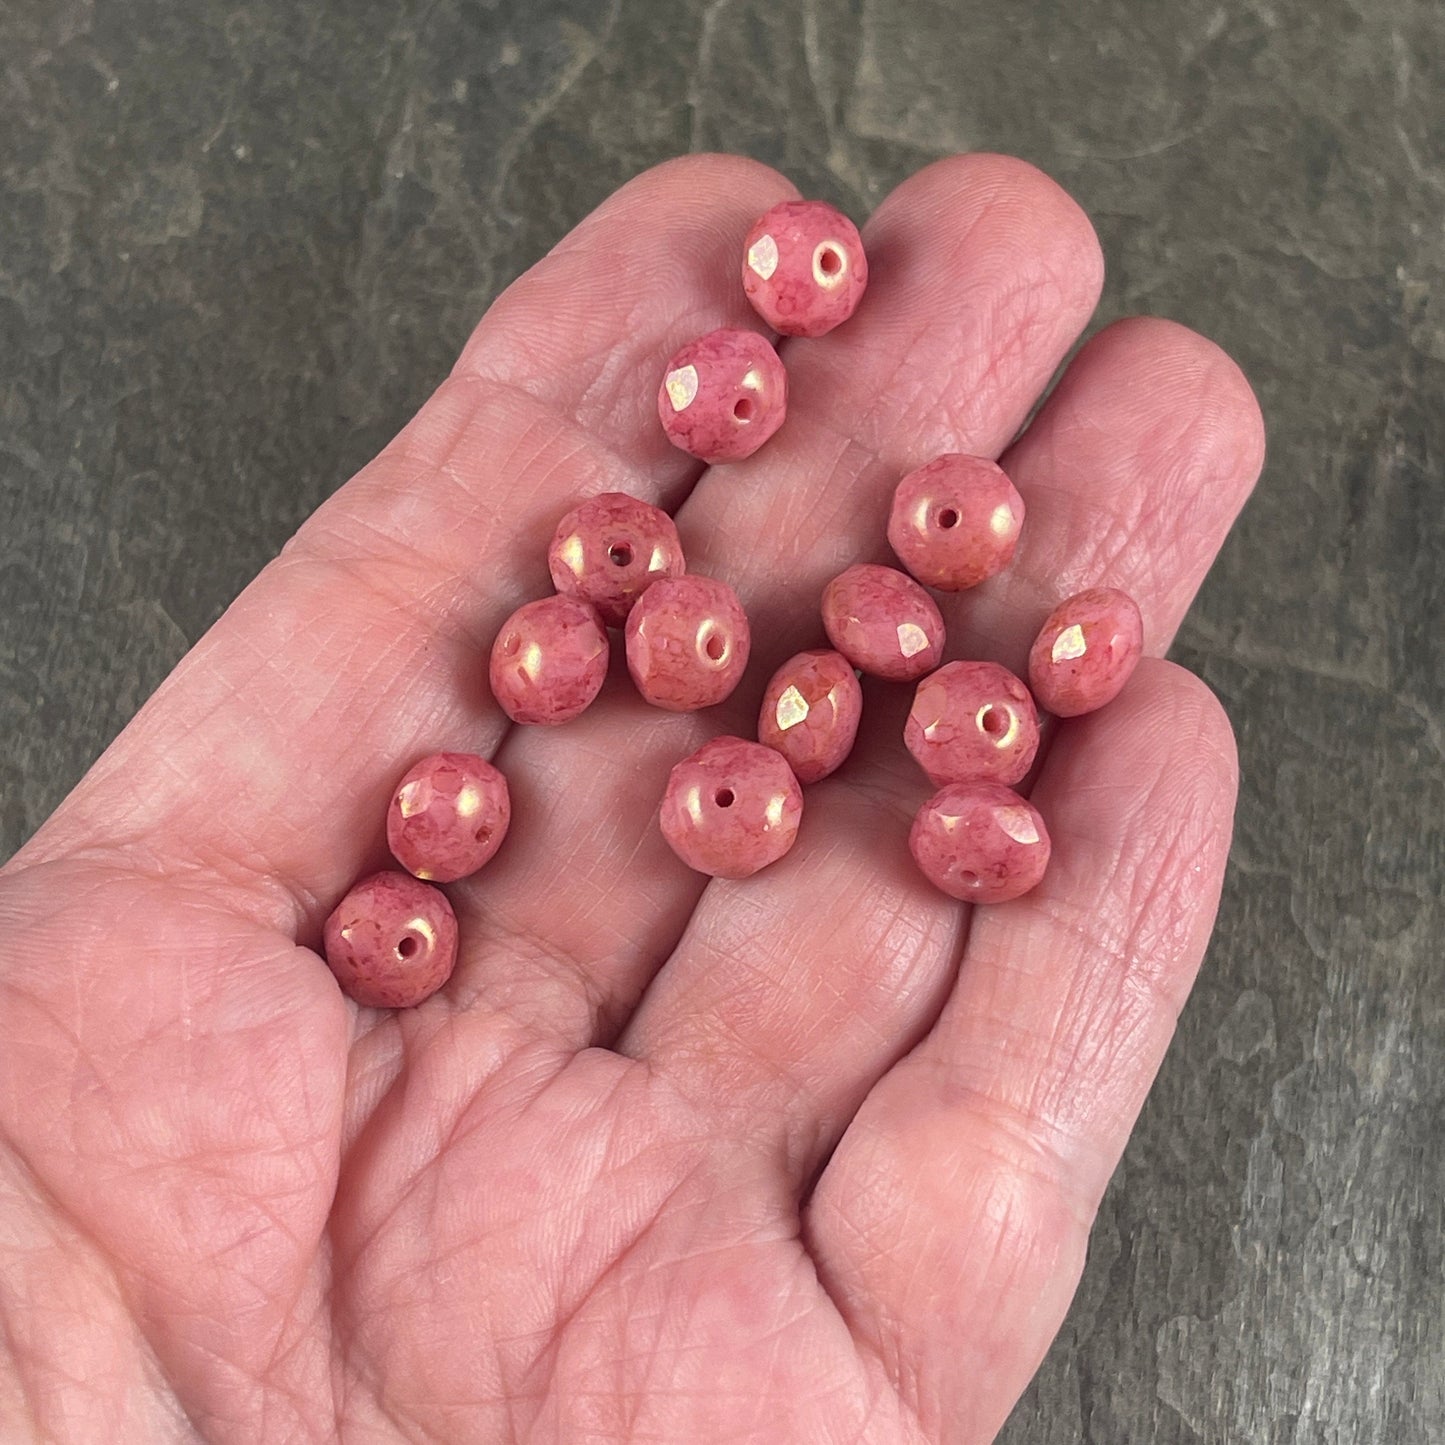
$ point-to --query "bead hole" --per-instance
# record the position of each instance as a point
(715, 647)
(994, 721)
(948, 518)
(407, 946)
(969, 880)
(829, 261)
(621, 554)
(743, 411)
(482, 833)
(724, 798)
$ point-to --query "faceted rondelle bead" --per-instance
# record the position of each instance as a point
(732, 808)
(392, 941)
(803, 267)
(687, 642)
(955, 521)
(610, 549)
(1086, 651)
(980, 842)
(972, 720)
(723, 395)
(448, 816)
(549, 660)
(883, 622)
(811, 711)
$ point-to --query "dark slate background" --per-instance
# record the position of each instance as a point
(240, 242)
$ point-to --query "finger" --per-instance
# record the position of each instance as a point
(807, 1033)
(268, 755)
(983, 273)
(1014, 1110)
(1132, 474)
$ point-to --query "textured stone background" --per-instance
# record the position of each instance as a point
(239, 242)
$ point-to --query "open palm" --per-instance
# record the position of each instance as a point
(811, 1157)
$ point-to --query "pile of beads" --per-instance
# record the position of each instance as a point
(734, 806)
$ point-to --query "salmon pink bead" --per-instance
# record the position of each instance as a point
(972, 720)
(1085, 651)
(448, 816)
(803, 267)
(723, 395)
(732, 808)
(549, 660)
(811, 711)
(980, 842)
(883, 622)
(955, 521)
(392, 941)
(687, 642)
(610, 549)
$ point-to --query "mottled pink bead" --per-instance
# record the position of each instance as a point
(549, 660)
(723, 395)
(972, 720)
(610, 549)
(811, 711)
(732, 808)
(883, 622)
(955, 521)
(392, 941)
(980, 842)
(803, 267)
(448, 816)
(687, 643)
(1085, 651)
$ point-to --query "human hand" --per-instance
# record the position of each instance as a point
(808, 1157)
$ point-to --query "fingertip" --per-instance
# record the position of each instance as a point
(958, 191)
(1189, 388)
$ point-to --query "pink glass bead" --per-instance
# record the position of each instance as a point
(392, 941)
(723, 395)
(732, 808)
(955, 521)
(687, 642)
(980, 842)
(803, 268)
(883, 622)
(972, 720)
(811, 711)
(448, 816)
(549, 660)
(1085, 651)
(610, 549)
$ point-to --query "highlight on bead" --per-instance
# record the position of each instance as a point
(972, 720)
(955, 521)
(392, 941)
(980, 842)
(549, 661)
(723, 396)
(448, 816)
(811, 711)
(804, 269)
(1086, 651)
(688, 643)
(732, 808)
(883, 622)
(610, 549)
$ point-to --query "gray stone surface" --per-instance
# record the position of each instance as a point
(240, 241)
